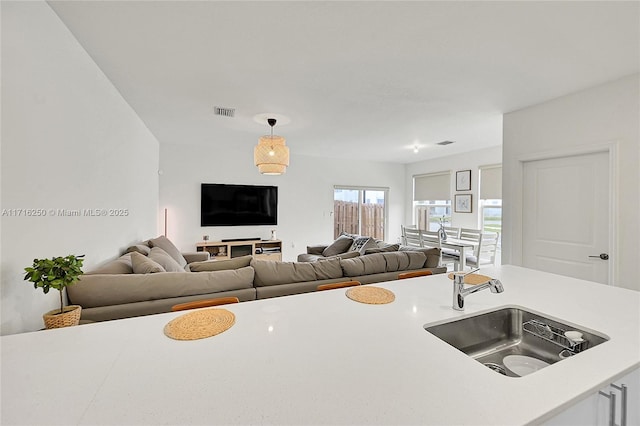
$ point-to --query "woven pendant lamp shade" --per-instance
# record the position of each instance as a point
(271, 155)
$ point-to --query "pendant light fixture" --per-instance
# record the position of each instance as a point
(271, 155)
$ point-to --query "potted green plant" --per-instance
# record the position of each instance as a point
(57, 273)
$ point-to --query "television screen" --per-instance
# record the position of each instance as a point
(237, 205)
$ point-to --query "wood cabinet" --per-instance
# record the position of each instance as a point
(260, 249)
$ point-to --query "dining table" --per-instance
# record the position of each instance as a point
(462, 247)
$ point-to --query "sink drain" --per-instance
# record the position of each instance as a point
(495, 367)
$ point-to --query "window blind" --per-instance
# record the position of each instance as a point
(435, 186)
(491, 183)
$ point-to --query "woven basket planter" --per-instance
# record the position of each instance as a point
(69, 317)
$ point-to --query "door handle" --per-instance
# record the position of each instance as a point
(603, 256)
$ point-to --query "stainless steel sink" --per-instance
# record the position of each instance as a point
(491, 336)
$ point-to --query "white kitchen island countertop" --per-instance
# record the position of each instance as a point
(318, 358)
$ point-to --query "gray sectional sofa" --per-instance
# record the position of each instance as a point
(121, 289)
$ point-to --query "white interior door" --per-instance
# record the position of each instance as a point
(566, 216)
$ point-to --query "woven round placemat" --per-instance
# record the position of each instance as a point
(371, 295)
(200, 324)
(473, 279)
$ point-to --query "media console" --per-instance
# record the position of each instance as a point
(227, 249)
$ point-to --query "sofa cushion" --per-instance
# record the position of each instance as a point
(121, 265)
(196, 256)
(143, 265)
(140, 248)
(347, 255)
(396, 261)
(269, 272)
(165, 244)
(417, 259)
(221, 265)
(316, 249)
(433, 255)
(104, 290)
(163, 259)
(339, 246)
(327, 269)
(363, 265)
(383, 262)
(385, 248)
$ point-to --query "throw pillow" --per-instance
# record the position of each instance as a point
(163, 259)
(121, 265)
(165, 244)
(368, 244)
(143, 265)
(352, 236)
(358, 242)
(339, 246)
(140, 248)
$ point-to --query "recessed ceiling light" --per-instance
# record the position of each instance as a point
(445, 143)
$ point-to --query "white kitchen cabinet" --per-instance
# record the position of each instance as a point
(595, 410)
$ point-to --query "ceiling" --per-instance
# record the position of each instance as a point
(363, 80)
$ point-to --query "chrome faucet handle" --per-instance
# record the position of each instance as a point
(458, 276)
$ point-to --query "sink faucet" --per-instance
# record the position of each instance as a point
(459, 292)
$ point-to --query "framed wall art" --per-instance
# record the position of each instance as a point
(463, 180)
(463, 203)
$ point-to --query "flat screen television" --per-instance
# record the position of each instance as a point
(238, 205)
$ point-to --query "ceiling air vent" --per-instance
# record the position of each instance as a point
(445, 143)
(225, 112)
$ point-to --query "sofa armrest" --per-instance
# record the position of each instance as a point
(317, 249)
(199, 256)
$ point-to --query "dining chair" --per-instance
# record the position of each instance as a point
(485, 253)
(204, 303)
(411, 237)
(452, 231)
(468, 234)
(414, 274)
(332, 286)
(432, 239)
(474, 236)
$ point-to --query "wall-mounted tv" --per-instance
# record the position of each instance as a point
(238, 205)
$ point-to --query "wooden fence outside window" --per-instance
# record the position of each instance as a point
(346, 218)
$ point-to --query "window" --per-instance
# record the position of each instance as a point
(360, 211)
(428, 214)
(432, 200)
(491, 198)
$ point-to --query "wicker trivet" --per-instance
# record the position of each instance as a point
(200, 324)
(371, 295)
(473, 279)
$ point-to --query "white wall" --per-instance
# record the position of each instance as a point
(69, 141)
(467, 161)
(305, 195)
(592, 118)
